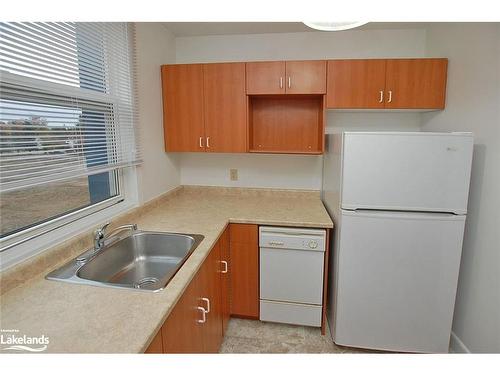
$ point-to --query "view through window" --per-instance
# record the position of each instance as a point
(59, 152)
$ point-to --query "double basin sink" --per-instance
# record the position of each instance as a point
(142, 260)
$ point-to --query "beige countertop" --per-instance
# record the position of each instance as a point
(89, 319)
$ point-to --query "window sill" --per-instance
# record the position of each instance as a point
(36, 245)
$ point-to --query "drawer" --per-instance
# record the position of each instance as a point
(291, 313)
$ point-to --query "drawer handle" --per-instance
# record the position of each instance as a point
(381, 99)
(201, 142)
(204, 314)
(208, 142)
(204, 299)
(289, 82)
(281, 82)
(390, 96)
(225, 266)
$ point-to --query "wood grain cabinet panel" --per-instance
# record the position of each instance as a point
(182, 333)
(416, 83)
(265, 77)
(188, 329)
(210, 299)
(305, 77)
(225, 106)
(225, 279)
(183, 121)
(356, 84)
(156, 346)
(244, 250)
(287, 124)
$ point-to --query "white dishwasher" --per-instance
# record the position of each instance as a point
(291, 275)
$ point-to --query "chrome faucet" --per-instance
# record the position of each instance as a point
(100, 234)
(99, 239)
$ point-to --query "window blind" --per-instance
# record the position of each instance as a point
(67, 103)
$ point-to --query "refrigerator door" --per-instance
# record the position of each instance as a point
(396, 280)
(413, 171)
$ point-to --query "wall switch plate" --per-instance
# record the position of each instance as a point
(233, 174)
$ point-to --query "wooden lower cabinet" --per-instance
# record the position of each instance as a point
(226, 284)
(225, 279)
(195, 325)
(210, 299)
(156, 346)
(182, 332)
(244, 247)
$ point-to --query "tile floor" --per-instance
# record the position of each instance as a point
(253, 336)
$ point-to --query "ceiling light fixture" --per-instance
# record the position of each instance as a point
(333, 26)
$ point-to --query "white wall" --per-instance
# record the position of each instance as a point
(159, 171)
(473, 102)
(306, 45)
(300, 172)
(264, 171)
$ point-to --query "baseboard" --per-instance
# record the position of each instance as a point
(456, 345)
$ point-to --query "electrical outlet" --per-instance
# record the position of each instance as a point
(233, 174)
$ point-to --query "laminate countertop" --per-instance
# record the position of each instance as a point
(87, 319)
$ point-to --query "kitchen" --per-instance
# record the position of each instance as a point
(242, 137)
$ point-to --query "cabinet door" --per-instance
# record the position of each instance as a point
(356, 84)
(225, 279)
(210, 299)
(183, 121)
(416, 83)
(244, 270)
(225, 106)
(265, 77)
(182, 332)
(305, 77)
(156, 346)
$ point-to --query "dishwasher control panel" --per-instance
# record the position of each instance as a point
(292, 238)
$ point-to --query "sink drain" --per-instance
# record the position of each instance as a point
(145, 282)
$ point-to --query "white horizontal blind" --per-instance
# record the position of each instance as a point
(66, 101)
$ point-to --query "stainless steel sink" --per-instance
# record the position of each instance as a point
(142, 260)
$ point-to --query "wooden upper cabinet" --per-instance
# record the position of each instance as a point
(183, 121)
(416, 83)
(387, 84)
(305, 77)
(290, 77)
(265, 77)
(356, 84)
(225, 106)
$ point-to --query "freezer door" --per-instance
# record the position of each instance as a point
(396, 280)
(415, 171)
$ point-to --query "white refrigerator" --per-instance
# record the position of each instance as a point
(399, 203)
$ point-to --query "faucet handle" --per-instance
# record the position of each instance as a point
(101, 230)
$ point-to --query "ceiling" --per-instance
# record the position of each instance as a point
(225, 28)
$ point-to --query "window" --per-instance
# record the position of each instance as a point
(67, 119)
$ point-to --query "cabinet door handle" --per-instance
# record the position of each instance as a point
(208, 142)
(289, 82)
(225, 266)
(204, 314)
(207, 301)
(390, 96)
(381, 98)
(201, 142)
(281, 82)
